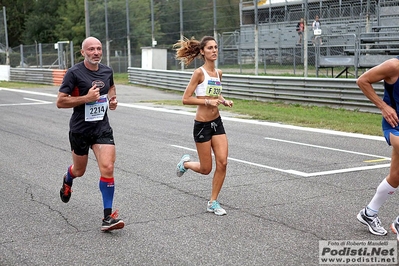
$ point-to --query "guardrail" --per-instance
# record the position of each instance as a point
(37, 75)
(331, 92)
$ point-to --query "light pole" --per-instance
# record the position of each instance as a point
(256, 37)
(153, 42)
(106, 32)
(6, 35)
(214, 28)
(181, 27)
(129, 61)
(87, 18)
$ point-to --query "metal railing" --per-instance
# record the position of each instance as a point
(37, 75)
(330, 92)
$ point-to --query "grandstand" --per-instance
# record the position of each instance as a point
(356, 33)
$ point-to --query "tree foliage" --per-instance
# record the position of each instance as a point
(71, 26)
(48, 21)
(39, 24)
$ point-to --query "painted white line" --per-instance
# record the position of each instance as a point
(30, 92)
(263, 123)
(36, 100)
(354, 169)
(248, 121)
(157, 109)
(328, 148)
(240, 161)
(300, 173)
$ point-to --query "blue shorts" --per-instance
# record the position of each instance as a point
(387, 129)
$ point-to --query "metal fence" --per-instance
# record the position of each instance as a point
(276, 20)
(335, 93)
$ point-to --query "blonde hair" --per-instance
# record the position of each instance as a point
(188, 49)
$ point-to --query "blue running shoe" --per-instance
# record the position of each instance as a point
(180, 170)
(214, 207)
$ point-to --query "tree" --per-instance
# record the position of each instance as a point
(17, 11)
(71, 23)
(198, 18)
(39, 24)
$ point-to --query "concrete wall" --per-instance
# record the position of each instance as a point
(5, 72)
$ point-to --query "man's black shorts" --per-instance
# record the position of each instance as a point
(203, 131)
(81, 142)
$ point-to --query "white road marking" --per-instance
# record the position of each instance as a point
(300, 173)
(328, 148)
(35, 102)
(249, 121)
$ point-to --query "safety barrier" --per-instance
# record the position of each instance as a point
(38, 75)
(331, 92)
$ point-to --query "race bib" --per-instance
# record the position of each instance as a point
(214, 88)
(95, 111)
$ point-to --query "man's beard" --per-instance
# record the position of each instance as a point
(92, 61)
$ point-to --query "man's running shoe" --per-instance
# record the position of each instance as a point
(65, 191)
(111, 222)
(180, 170)
(395, 228)
(214, 207)
(373, 222)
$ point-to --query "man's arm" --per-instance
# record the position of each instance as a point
(66, 101)
(113, 102)
(389, 72)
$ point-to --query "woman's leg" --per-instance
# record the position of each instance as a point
(220, 149)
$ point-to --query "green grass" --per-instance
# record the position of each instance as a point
(20, 85)
(121, 78)
(292, 114)
(302, 115)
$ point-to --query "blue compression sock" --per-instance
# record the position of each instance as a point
(107, 189)
(69, 177)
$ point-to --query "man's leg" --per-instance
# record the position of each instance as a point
(369, 215)
(105, 154)
(77, 169)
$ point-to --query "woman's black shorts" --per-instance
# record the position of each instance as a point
(203, 131)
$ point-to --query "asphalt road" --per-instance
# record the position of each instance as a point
(286, 188)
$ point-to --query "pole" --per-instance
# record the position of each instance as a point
(305, 41)
(181, 27)
(215, 35)
(129, 61)
(6, 35)
(106, 31)
(87, 18)
(152, 24)
(256, 38)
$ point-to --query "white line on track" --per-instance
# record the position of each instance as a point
(264, 123)
(328, 148)
(299, 173)
(35, 102)
(249, 121)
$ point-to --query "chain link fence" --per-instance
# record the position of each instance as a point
(274, 23)
(271, 25)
